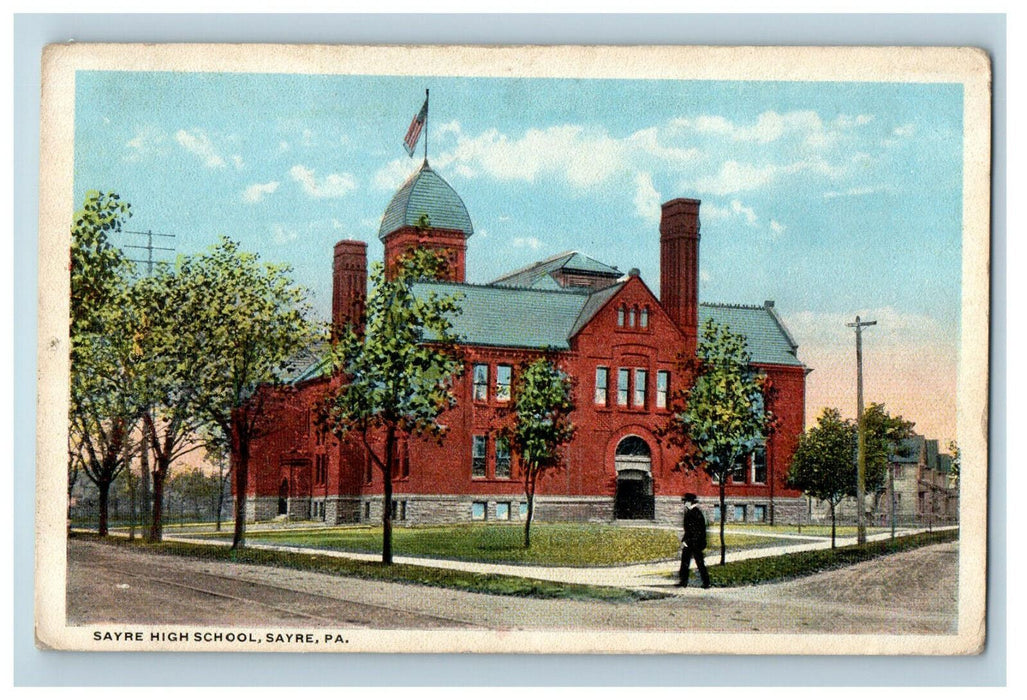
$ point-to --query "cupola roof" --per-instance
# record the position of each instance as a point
(425, 192)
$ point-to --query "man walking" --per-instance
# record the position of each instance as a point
(693, 541)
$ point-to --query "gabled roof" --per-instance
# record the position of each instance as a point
(309, 363)
(512, 316)
(538, 274)
(769, 342)
(425, 192)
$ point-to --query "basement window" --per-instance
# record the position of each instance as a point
(478, 510)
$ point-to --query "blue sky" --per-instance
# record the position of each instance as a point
(831, 198)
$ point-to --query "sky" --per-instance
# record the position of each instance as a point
(832, 199)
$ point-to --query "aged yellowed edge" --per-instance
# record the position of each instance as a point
(968, 66)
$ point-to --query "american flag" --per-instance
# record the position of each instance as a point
(414, 132)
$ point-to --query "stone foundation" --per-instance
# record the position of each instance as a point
(420, 509)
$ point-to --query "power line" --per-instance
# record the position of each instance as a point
(149, 247)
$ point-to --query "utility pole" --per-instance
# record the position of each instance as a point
(144, 462)
(861, 452)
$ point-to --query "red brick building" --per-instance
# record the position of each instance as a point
(611, 333)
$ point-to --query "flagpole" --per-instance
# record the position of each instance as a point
(426, 125)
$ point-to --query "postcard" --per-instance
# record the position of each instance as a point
(524, 349)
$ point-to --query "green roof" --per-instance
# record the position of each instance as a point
(512, 316)
(425, 192)
(768, 340)
(538, 275)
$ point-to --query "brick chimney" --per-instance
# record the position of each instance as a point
(349, 284)
(679, 266)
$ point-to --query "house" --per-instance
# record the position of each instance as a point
(616, 338)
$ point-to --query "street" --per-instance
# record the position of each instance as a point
(909, 593)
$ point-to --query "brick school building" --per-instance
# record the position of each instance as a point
(619, 342)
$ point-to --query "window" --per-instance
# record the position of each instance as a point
(631, 318)
(503, 374)
(716, 514)
(502, 458)
(759, 466)
(738, 472)
(643, 317)
(481, 382)
(759, 513)
(502, 511)
(478, 456)
(622, 387)
(522, 511)
(320, 469)
(641, 379)
(740, 513)
(602, 385)
(367, 510)
(478, 510)
(620, 316)
(662, 387)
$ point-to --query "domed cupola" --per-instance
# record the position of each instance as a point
(426, 213)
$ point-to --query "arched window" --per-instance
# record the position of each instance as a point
(643, 317)
(620, 316)
(631, 317)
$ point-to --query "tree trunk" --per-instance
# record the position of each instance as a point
(157, 519)
(221, 493)
(529, 489)
(242, 470)
(723, 517)
(144, 475)
(832, 524)
(104, 487)
(390, 439)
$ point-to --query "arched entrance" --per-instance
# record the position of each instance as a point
(283, 497)
(633, 462)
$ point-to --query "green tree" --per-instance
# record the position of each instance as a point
(723, 416)
(170, 345)
(395, 376)
(956, 460)
(242, 320)
(542, 403)
(103, 356)
(823, 464)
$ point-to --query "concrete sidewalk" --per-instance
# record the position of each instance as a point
(654, 576)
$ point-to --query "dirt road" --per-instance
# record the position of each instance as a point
(909, 593)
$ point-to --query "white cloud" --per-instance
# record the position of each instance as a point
(704, 276)
(283, 146)
(237, 161)
(746, 212)
(393, 174)
(147, 141)
(736, 177)
(854, 192)
(777, 228)
(333, 185)
(527, 242)
(199, 144)
(281, 234)
(647, 199)
(904, 130)
(255, 192)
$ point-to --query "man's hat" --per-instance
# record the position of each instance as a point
(689, 498)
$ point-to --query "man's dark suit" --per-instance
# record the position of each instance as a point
(694, 544)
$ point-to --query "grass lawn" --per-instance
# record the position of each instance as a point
(811, 530)
(551, 544)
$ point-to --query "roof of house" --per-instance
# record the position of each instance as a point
(768, 341)
(908, 450)
(425, 192)
(538, 275)
(496, 315)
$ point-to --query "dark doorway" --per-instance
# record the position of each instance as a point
(634, 499)
(283, 497)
